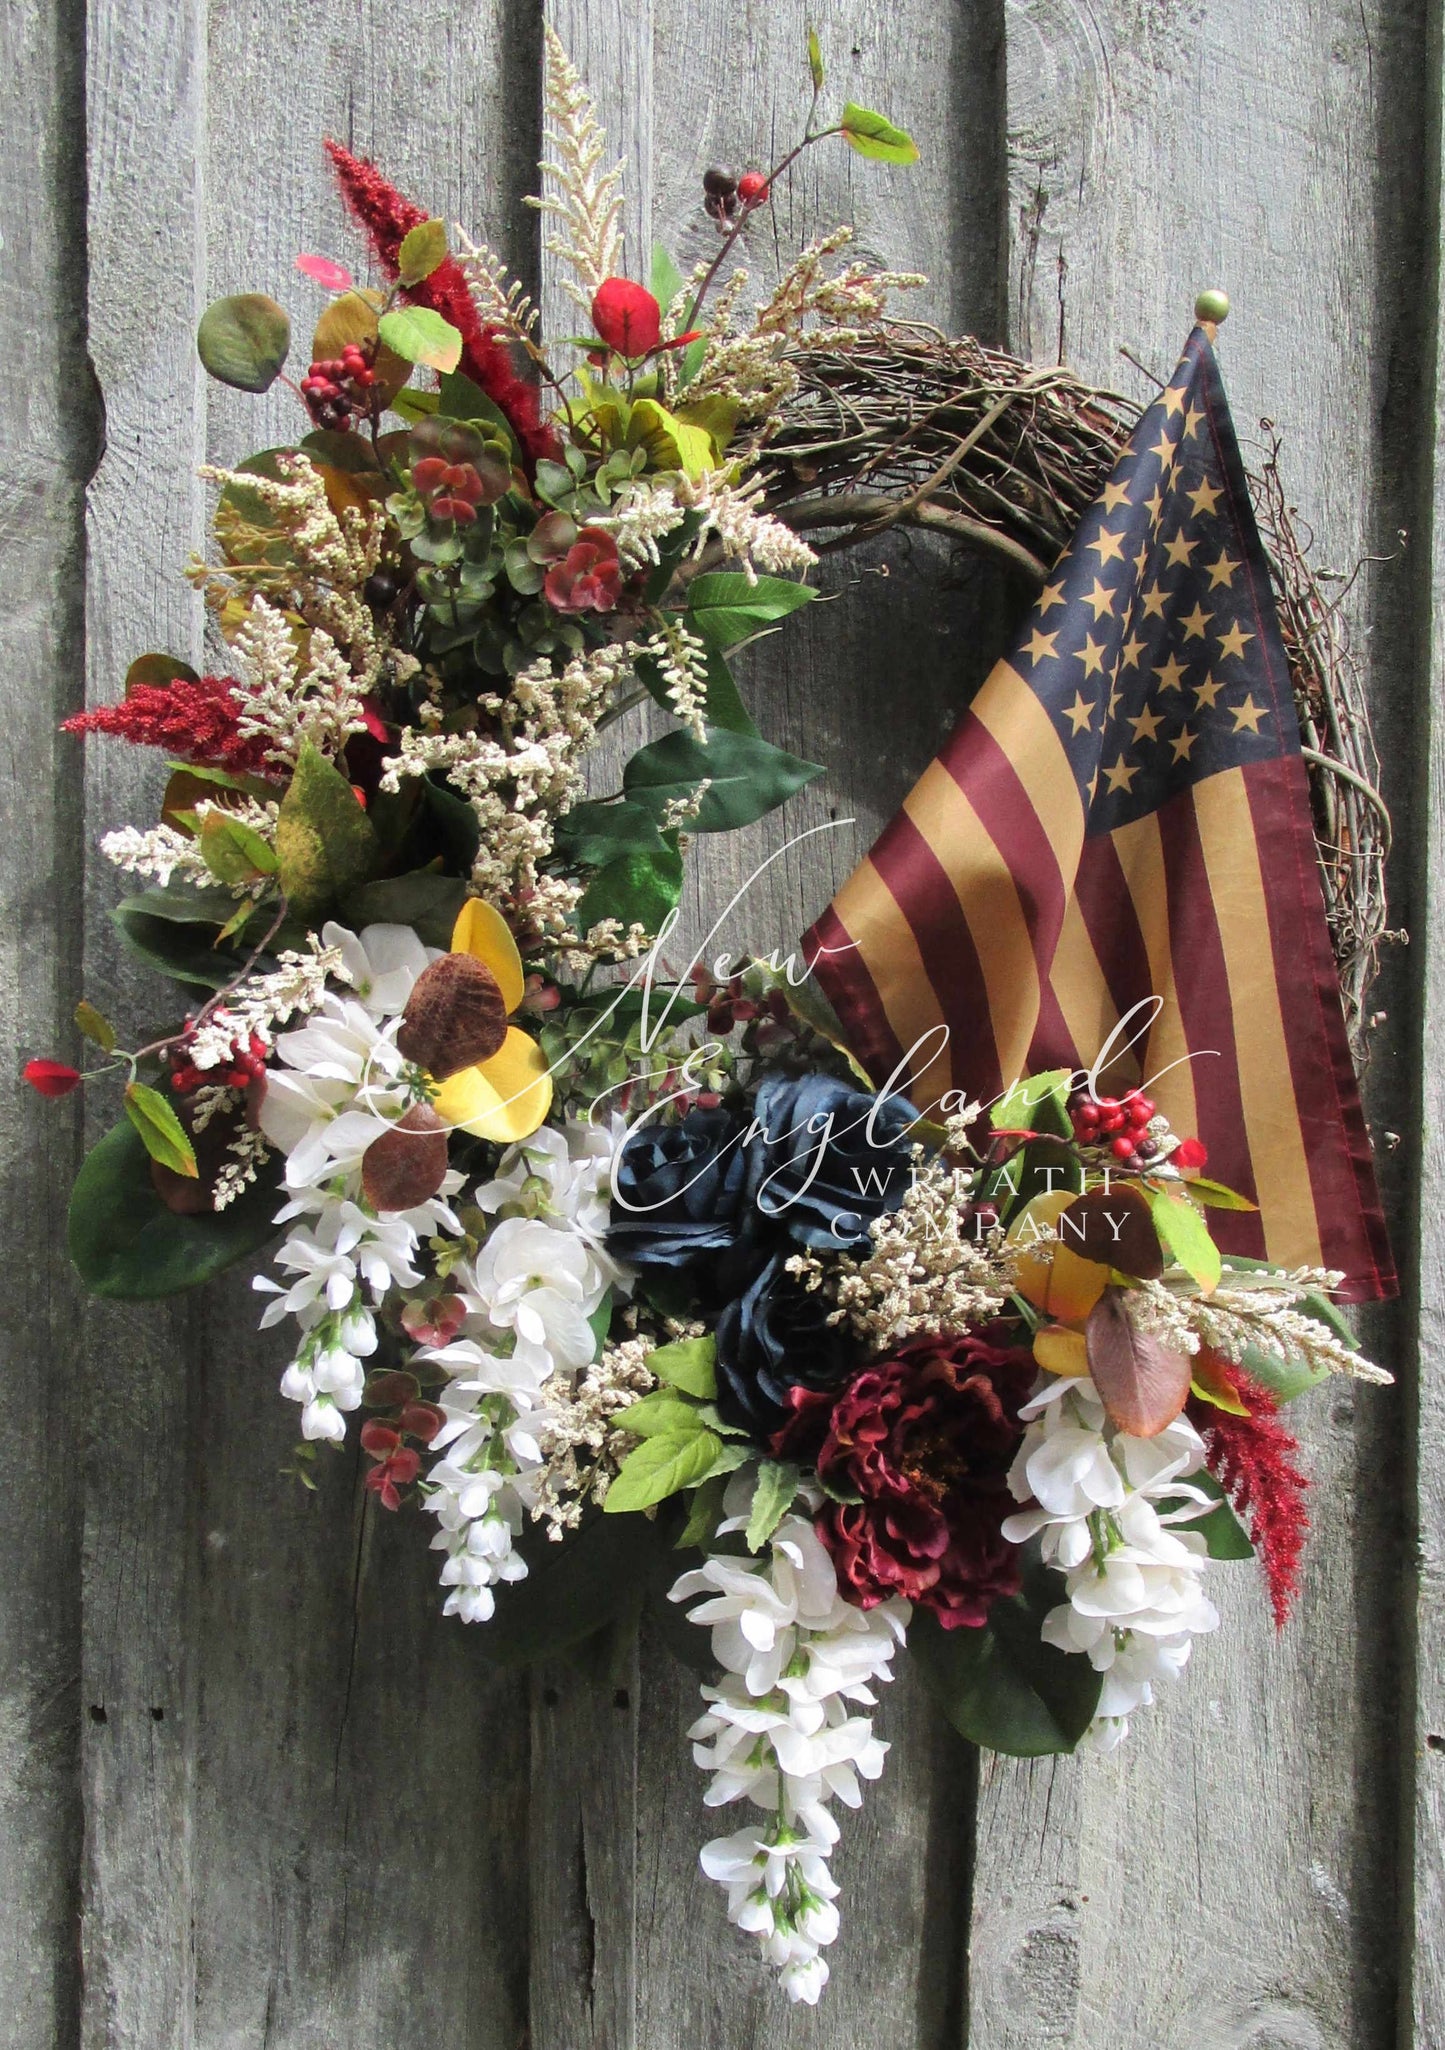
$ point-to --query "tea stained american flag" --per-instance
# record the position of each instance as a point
(1123, 814)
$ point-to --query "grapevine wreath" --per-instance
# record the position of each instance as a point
(634, 1284)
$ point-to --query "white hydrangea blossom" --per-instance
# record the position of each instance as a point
(541, 1273)
(1108, 1510)
(781, 1730)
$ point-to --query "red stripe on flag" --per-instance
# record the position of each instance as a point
(988, 779)
(1337, 1144)
(1201, 990)
(929, 906)
(837, 961)
(1101, 890)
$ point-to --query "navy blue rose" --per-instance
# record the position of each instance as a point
(680, 1194)
(828, 1160)
(774, 1337)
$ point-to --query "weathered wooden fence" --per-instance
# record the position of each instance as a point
(253, 1790)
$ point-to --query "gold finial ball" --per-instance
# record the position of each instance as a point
(1212, 305)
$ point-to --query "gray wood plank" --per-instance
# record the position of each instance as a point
(1230, 1875)
(49, 427)
(308, 1800)
(1423, 2004)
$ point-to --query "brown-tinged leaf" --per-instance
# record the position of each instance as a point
(353, 318)
(158, 669)
(1115, 1226)
(1142, 1383)
(407, 1164)
(455, 1016)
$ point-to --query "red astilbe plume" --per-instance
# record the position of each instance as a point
(1253, 1458)
(387, 215)
(196, 721)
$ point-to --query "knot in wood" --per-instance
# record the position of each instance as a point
(455, 1016)
(407, 1164)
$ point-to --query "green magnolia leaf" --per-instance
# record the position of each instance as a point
(749, 777)
(571, 1591)
(1221, 1529)
(233, 851)
(815, 58)
(424, 900)
(777, 1485)
(872, 136)
(170, 929)
(689, 1364)
(163, 1135)
(422, 249)
(96, 1028)
(1285, 1379)
(592, 834)
(1037, 1104)
(243, 340)
(663, 1414)
(725, 607)
(1001, 1685)
(419, 335)
(601, 1321)
(661, 1466)
(1184, 1234)
(326, 843)
(635, 888)
(126, 1244)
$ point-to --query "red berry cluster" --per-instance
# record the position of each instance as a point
(452, 491)
(725, 195)
(338, 388)
(729, 1005)
(247, 1066)
(1121, 1123)
(397, 1463)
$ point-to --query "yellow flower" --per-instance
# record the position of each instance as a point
(507, 1096)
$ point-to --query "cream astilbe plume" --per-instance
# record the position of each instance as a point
(500, 300)
(585, 203)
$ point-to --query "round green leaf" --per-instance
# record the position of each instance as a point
(126, 1244)
(419, 335)
(243, 340)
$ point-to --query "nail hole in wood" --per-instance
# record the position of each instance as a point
(97, 1712)
(158, 1715)
(620, 1698)
(550, 1697)
(1432, 1741)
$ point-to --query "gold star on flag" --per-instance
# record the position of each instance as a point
(1193, 421)
(1204, 498)
(1179, 550)
(1121, 775)
(1154, 599)
(1093, 654)
(1205, 693)
(1107, 546)
(1182, 742)
(1233, 642)
(1195, 622)
(1079, 712)
(1141, 560)
(1154, 505)
(1248, 715)
(1129, 654)
(1222, 572)
(1115, 495)
(1163, 448)
(1173, 400)
(1146, 725)
(1051, 595)
(1101, 599)
(1093, 785)
(1041, 647)
(1170, 674)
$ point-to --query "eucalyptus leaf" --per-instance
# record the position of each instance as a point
(243, 340)
(422, 249)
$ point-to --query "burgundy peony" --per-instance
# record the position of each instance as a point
(589, 577)
(627, 317)
(926, 1440)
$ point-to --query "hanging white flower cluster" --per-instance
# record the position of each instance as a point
(1107, 1509)
(779, 1730)
(341, 1084)
(540, 1275)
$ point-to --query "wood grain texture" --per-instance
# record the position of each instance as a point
(1423, 2007)
(1228, 1878)
(48, 432)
